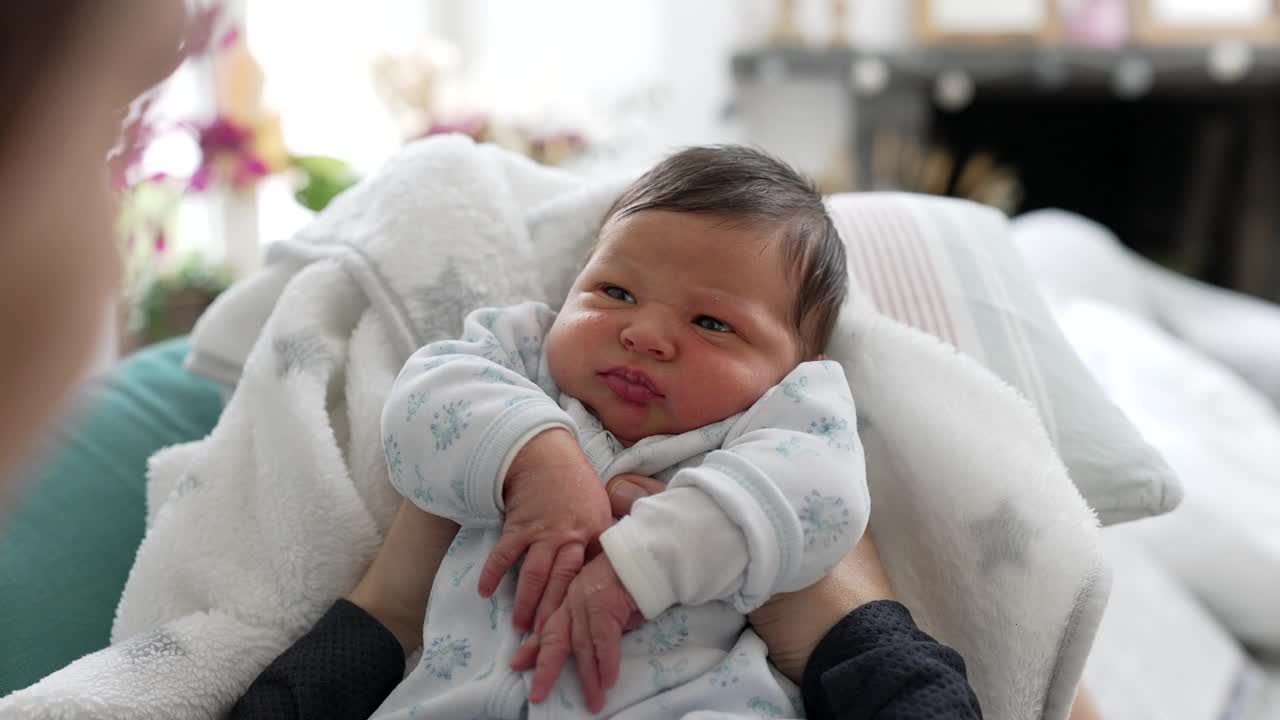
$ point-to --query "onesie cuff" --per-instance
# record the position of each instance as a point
(635, 567)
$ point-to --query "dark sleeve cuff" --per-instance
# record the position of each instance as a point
(344, 667)
(875, 663)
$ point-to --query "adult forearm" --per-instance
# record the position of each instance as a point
(395, 588)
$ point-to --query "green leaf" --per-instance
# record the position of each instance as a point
(324, 179)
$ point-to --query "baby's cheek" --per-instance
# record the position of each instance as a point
(722, 391)
(564, 353)
(555, 357)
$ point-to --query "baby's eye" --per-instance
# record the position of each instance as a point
(706, 322)
(618, 293)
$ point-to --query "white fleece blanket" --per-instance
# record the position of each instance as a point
(254, 531)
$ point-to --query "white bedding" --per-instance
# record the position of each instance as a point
(1193, 366)
(1223, 438)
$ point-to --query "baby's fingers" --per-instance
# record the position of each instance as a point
(526, 655)
(567, 564)
(553, 653)
(606, 640)
(533, 580)
(501, 559)
(584, 656)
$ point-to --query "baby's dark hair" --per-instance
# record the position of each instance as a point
(748, 185)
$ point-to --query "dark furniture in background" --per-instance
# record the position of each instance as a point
(1183, 166)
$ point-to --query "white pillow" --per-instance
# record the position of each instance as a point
(947, 267)
(1071, 257)
(1223, 439)
(1240, 331)
(1074, 257)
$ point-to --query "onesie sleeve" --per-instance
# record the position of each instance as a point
(876, 663)
(461, 409)
(773, 510)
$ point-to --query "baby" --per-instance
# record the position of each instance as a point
(688, 349)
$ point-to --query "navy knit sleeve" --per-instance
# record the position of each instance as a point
(344, 667)
(875, 663)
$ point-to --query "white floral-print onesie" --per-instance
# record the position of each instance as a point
(763, 502)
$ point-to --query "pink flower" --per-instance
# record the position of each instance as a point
(249, 169)
(223, 135)
(200, 180)
(227, 152)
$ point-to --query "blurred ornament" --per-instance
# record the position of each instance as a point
(1230, 60)
(1133, 77)
(415, 85)
(1096, 23)
(473, 126)
(548, 148)
(869, 75)
(839, 23)
(953, 90)
(786, 30)
(556, 148)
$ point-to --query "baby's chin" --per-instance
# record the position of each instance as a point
(629, 431)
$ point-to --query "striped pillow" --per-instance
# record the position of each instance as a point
(947, 267)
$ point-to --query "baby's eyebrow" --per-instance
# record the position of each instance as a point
(721, 296)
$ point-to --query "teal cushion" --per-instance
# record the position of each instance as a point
(66, 550)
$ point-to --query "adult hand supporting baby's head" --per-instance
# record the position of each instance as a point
(791, 624)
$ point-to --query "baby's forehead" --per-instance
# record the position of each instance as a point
(655, 231)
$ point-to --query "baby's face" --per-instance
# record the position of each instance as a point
(678, 321)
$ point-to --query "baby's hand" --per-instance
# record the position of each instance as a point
(596, 611)
(555, 506)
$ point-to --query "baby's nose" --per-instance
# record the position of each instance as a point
(648, 339)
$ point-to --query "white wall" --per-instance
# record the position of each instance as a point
(638, 76)
(641, 75)
(667, 61)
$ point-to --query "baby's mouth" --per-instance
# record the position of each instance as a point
(632, 386)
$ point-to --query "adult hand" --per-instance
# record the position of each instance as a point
(792, 624)
(395, 588)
